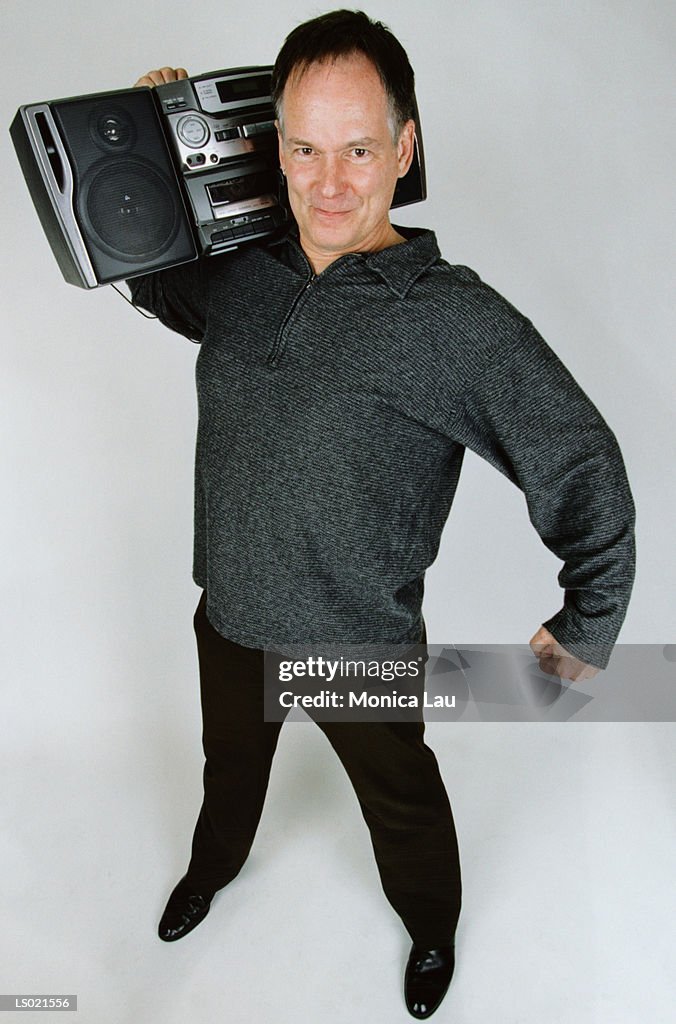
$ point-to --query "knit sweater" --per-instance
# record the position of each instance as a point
(334, 412)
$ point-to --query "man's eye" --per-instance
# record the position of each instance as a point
(305, 150)
(359, 152)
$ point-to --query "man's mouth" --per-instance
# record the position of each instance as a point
(330, 214)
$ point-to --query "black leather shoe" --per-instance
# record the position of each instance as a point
(184, 910)
(428, 975)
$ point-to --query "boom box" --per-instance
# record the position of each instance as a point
(136, 180)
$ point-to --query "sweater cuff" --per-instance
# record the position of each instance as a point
(572, 632)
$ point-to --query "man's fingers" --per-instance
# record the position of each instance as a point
(542, 643)
(566, 667)
(167, 74)
(555, 660)
(547, 665)
(161, 76)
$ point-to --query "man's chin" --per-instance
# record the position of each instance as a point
(331, 237)
(333, 225)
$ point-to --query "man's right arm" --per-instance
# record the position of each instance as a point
(178, 297)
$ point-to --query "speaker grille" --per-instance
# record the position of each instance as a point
(130, 207)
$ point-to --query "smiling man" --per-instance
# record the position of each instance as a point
(343, 371)
(342, 148)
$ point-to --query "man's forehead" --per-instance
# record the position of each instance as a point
(346, 93)
(331, 103)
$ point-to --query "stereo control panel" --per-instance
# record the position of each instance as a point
(221, 127)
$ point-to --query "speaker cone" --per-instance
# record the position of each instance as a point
(130, 207)
(112, 129)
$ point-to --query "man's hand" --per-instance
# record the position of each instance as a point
(161, 76)
(555, 660)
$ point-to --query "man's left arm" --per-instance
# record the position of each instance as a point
(527, 416)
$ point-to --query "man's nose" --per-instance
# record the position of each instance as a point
(330, 182)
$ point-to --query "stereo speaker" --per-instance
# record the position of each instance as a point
(101, 177)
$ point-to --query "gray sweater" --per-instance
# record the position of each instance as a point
(334, 411)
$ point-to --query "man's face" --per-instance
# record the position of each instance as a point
(339, 157)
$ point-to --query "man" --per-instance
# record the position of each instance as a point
(341, 375)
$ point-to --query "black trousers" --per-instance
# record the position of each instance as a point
(394, 773)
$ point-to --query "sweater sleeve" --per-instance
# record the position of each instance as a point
(178, 297)
(526, 415)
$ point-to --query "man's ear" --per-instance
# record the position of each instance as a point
(280, 144)
(406, 147)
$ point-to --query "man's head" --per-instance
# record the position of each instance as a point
(343, 91)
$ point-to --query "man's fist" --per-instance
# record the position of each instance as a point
(555, 660)
(160, 77)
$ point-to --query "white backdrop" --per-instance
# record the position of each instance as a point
(550, 154)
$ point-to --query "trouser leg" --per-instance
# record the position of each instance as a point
(238, 747)
(404, 802)
(394, 773)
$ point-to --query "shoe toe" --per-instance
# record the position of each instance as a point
(183, 912)
(428, 975)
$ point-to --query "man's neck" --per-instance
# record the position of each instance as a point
(319, 259)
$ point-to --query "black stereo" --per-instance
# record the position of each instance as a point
(140, 179)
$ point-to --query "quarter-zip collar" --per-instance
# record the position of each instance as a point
(399, 266)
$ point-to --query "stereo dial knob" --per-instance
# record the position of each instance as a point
(193, 131)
